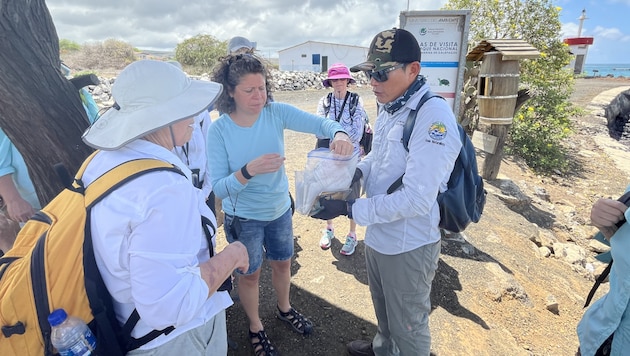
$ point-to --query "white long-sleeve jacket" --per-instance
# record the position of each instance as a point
(193, 153)
(148, 243)
(408, 218)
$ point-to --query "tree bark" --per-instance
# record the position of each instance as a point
(40, 110)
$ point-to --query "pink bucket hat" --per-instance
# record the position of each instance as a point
(338, 71)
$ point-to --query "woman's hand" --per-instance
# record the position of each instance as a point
(267, 163)
(605, 213)
(341, 144)
(20, 210)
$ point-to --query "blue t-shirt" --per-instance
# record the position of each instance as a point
(12, 162)
(265, 197)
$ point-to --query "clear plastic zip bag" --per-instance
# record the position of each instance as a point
(325, 174)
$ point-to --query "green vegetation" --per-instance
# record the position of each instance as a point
(544, 121)
(109, 54)
(68, 46)
(199, 54)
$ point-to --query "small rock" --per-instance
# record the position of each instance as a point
(544, 251)
(552, 305)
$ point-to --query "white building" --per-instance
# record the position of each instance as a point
(318, 56)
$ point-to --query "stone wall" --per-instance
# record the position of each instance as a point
(282, 80)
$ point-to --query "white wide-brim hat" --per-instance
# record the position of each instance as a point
(149, 95)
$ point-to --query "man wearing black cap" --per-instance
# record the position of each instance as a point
(402, 236)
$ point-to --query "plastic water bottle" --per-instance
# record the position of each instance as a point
(70, 335)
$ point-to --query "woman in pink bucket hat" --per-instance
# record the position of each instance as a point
(346, 108)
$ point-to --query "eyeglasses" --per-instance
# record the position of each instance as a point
(381, 75)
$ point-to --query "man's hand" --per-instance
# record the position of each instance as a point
(333, 208)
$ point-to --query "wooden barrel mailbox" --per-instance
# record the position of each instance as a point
(498, 88)
(497, 93)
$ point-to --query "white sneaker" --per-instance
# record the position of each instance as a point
(326, 239)
(348, 247)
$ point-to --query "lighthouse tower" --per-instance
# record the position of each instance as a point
(579, 47)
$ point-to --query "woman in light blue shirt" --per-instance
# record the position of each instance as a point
(605, 326)
(246, 161)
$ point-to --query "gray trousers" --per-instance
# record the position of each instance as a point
(209, 339)
(400, 286)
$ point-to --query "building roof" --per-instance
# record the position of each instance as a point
(327, 43)
(511, 49)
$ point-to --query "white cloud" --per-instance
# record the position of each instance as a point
(610, 33)
(273, 24)
(571, 30)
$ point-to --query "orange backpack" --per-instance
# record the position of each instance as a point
(52, 265)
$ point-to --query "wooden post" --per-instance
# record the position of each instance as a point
(492, 162)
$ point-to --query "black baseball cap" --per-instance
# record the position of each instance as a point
(389, 48)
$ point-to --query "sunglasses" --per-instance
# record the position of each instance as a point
(241, 56)
(381, 75)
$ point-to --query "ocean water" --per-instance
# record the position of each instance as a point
(602, 70)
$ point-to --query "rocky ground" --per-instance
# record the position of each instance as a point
(514, 284)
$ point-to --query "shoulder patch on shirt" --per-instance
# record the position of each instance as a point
(437, 131)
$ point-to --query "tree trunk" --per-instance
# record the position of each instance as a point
(492, 162)
(40, 110)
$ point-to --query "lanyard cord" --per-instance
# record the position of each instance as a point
(338, 116)
(230, 197)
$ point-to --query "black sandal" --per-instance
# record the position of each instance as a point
(261, 344)
(298, 322)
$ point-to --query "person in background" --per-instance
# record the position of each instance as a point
(19, 199)
(246, 156)
(193, 153)
(148, 234)
(605, 326)
(346, 108)
(402, 237)
(89, 105)
(239, 45)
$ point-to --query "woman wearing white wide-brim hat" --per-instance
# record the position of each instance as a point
(148, 240)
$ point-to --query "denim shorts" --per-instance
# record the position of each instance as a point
(274, 237)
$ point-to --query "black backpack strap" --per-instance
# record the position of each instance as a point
(408, 129)
(353, 103)
(206, 225)
(327, 104)
(133, 343)
(598, 281)
(411, 118)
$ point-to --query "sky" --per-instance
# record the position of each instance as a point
(280, 24)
